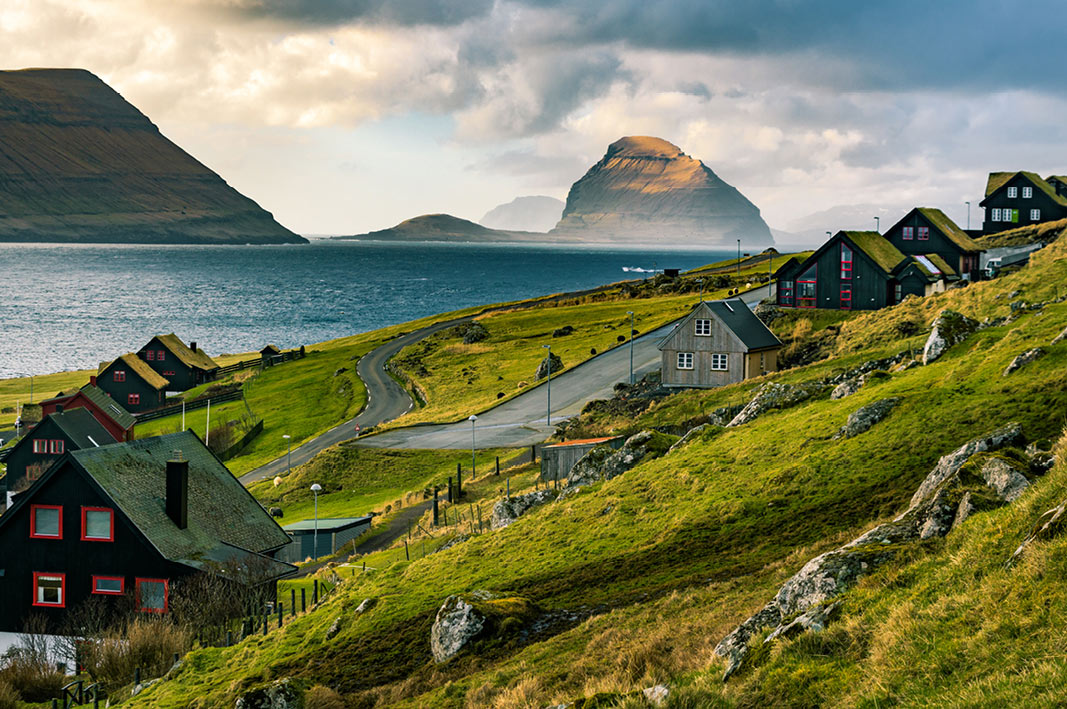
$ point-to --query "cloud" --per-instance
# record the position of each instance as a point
(407, 13)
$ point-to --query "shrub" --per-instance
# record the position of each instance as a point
(320, 697)
(30, 675)
(148, 643)
(9, 698)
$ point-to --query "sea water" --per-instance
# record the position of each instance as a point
(66, 307)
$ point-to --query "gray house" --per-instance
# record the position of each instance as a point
(558, 458)
(720, 342)
(333, 533)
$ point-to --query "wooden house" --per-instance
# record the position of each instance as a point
(1015, 199)
(184, 367)
(331, 535)
(131, 382)
(118, 421)
(558, 459)
(269, 352)
(926, 231)
(720, 342)
(47, 442)
(127, 522)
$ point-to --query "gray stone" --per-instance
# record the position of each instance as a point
(366, 605)
(863, 418)
(603, 463)
(334, 628)
(543, 368)
(950, 464)
(949, 328)
(689, 435)
(848, 387)
(815, 620)
(456, 624)
(474, 332)
(1060, 337)
(965, 510)
(656, 695)
(1005, 479)
(771, 396)
(278, 695)
(510, 509)
(1050, 524)
(1024, 359)
(734, 646)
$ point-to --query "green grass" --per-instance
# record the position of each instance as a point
(45, 386)
(671, 555)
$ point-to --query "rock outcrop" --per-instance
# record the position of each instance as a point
(278, 695)
(551, 363)
(510, 509)
(442, 227)
(603, 463)
(465, 618)
(1024, 359)
(80, 164)
(646, 190)
(949, 328)
(456, 624)
(863, 418)
(773, 396)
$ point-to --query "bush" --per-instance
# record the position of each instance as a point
(30, 675)
(9, 698)
(320, 697)
(148, 643)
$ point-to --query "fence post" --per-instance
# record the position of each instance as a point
(509, 486)
(498, 465)
(303, 600)
(435, 510)
(174, 660)
(459, 483)
(314, 591)
(407, 557)
(281, 612)
(266, 619)
(449, 497)
(292, 601)
(229, 638)
(136, 676)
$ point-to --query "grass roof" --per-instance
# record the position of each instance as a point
(999, 179)
(149, 375)
(877, 248)
(197, 359)
(948, 227)
(941, 263)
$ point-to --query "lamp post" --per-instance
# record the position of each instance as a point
(738, 258)
(289, 455)
(631, 314)
(472, 419)
(548, 416)
(316, 488)
(878, 224)
(968, 215)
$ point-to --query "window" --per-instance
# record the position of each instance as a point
(898, 293)
(846, 262)
(720, 362)
(168, 374)
(56, 446)
(40, 446)
(703, 328)
(994, 215)
(785, 292)
(924, 233)
(1035, 215)
(909, 233)
(1013, 192)
(762, 363)
(159, 355)
(48, 589)
(150, 355)
(1028, 192)
(846, 296)
(98, 524)
(151, 595)
(685, 360)
(109, 585)
(133, 399)
(806, 288)
(120, 375)
(46, 522)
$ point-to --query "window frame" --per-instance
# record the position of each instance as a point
(804, 301)
(85, 518)
(119, 375)
(846, 266)
(1013, 192)
(994, 214)
(133, 399)
(1035, 215)
(898, 292)
(62, 589)
(846, 288)
(785, 292)
(907, 233)
(40, 446)
(150, 355)
(682, 358)
(33, 522)
(57, 446)
(923, 233)
(720, 361)
(101, 577)
(697, 327)
(137, 595)
(1028, 192)
(160, 355)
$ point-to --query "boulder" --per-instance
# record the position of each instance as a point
(771, 396)
(1005, 479)
(863, 418)
(366, 604)
(949, 328)
(510, 509)
(1024, 359)
(552, 361)
(1060, 337)
(848, 387)
(814, 619)
(562, 331)
(949, 465)
(473, 332)
(456, 624)
(656, 695)
(689, 435)
(767, 312)
(603, 463)
(278, 695)
(965, 510)
(334, 629)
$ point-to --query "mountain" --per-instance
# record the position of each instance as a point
(646, 190)
(525, 214)
(444, 227)
(80, 164)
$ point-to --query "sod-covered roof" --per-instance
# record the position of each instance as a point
(949, 229)
(998, 179)
(197, 359)
(941, 264)
(134, 364)
(877, 248)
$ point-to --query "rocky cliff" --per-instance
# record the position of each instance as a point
(80, 164)
(646, 190)
(537, 213)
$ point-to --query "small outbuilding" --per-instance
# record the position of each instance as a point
(118, 421)
(268, 353)
(333, 533)
(720, 342)
(558, 458)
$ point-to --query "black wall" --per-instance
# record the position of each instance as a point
(937, 244)
(1050, 209)
(870, 284)
(119, 391)
(22, 454)
(181, 376)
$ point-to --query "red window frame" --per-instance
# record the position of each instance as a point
(150, 355)
(62, 590)
(133, 399)
(119, 375)
(846, 296)
(57, 446)
(808, 301)
(111, 533)
(40, 445)
(160, 355)
(924, 233)
(846, 266)
(166, 595)
(169, 373)
(785, 292)
(33, 522)
(908, 233)
(120, 579)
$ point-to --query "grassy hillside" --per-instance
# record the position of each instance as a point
(637, 578)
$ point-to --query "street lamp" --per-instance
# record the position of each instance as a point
(631, 314)
(472, 418)
(878, 224)
(316, 488)
(548, 415)
(289, 456)
(968, 214)
(738, 258)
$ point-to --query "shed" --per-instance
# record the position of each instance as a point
(558, 459)
(334, 533)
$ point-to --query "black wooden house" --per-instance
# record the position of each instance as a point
(126, 522)
(1016, 199)
(183, 366)
(131, 382)
(926, 231)
(47, 442)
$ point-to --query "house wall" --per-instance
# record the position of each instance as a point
(961, 261)
(180, 375)
(870, 285)
(120, 391)
(759, 363)
(557, 463)
(1050, 209)
(721, 341)
(129, 555)
(303, 545)
(22, 457)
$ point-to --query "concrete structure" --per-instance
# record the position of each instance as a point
(334, 533)
(558, 458)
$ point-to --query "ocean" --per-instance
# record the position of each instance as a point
(65, 307)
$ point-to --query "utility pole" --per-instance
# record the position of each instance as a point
(968, 215)
(472, 419)
(631, 314)
(738, 258)
(878, 224)
(548, 416)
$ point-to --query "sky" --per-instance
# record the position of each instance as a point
(344, 116)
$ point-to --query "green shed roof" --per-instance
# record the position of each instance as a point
(109, 406)
(877, 247)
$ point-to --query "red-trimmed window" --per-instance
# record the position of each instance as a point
(40, 445)
(56, 446)
(846, 296)
(846, 263)
(160, 355)
(109, 585)
(133, 399)
(49, 590)
(150, 355)
(168, 373)
(908, 233)
(806, 288)
(152, 595)
(924, 233)
(785, 292)
(46, 522)
(98, 524)
(119, 375)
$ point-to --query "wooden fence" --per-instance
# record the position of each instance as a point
(188, 406)
(243, 441)
(262, 361)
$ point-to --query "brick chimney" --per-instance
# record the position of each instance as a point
(59, 408)
(177, 502)
(92, 379)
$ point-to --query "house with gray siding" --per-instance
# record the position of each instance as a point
(558, 458)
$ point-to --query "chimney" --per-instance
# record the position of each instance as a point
(59, 408)
(92, 380)
(192, 346)
(178, 490)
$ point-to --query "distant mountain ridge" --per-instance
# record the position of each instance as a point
(78, 163)
(534, 213)
(444, 227)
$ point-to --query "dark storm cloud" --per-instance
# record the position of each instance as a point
(385, 12)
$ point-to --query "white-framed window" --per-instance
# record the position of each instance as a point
(1035, 215)
(48, 589)
(1013, 192)
(1028, 192)
(703, 328)
(720, 362)
(995, 215)
(685, 360)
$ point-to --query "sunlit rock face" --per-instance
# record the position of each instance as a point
(646, 190)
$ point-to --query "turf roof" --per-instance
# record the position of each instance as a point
(999, 179)
(948, 227)
(196, 359)
(149, 375)
(877, 248)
